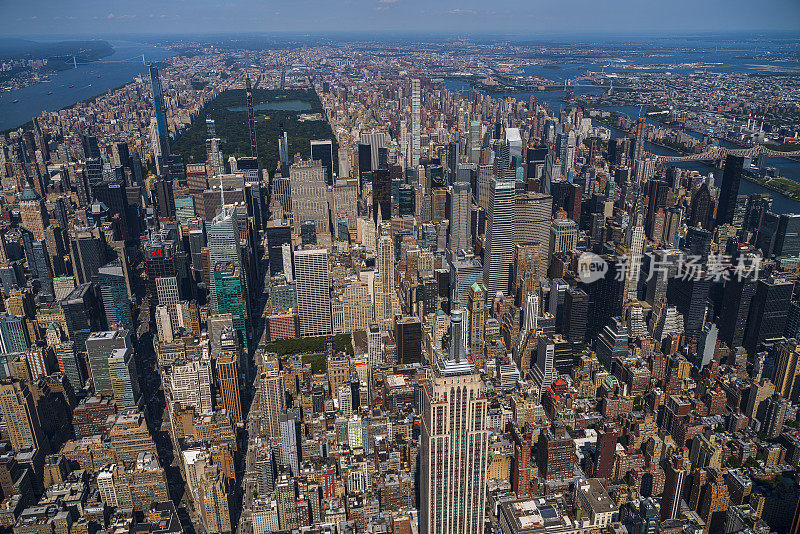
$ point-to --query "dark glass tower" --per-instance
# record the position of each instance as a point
(729, 189)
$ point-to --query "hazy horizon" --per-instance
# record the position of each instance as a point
(95, 18)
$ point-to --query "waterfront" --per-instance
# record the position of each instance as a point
(73, 85)
(552, 99)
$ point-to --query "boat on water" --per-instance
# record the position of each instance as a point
(15, 101)
(71, 86)
(49, 92)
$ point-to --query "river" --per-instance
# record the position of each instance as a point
(73, 85)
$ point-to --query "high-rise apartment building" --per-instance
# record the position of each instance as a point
(415, 122)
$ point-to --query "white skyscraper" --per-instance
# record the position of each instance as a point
(499, 254)
(454, 451)
(313, 291)
(415, 122)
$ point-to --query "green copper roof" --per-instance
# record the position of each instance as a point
(28, 194)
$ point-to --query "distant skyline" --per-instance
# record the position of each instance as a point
(100, 18)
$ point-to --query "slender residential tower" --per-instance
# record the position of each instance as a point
(158, 109)
(415, 123)
(252, 120)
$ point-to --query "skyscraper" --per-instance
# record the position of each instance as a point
(33, 215)
(454, 449)
(735, 310)
(532, 217)
(563, 236)
(408, 336)
(673, 488)
(477, 323)
(251, 120)
(729, 189)
(639, 140)
(159, 111)
(21, 416)
(223, 247)
(768, 311)
(290, 441)
(114, 294)
(124, 378)
(99, 347)
(228, 374)
(313, 292)
(386, 303)
(274, 394)
(82, 314)
(475, 140)
(787, 370)
(283, 149)
(309, 194)
(460, 209)
(415, 123)
(228, 285)
(499, 253)
(322, 151)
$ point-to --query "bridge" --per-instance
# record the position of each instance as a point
(717, 153)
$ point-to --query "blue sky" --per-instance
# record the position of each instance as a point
(104, 17)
